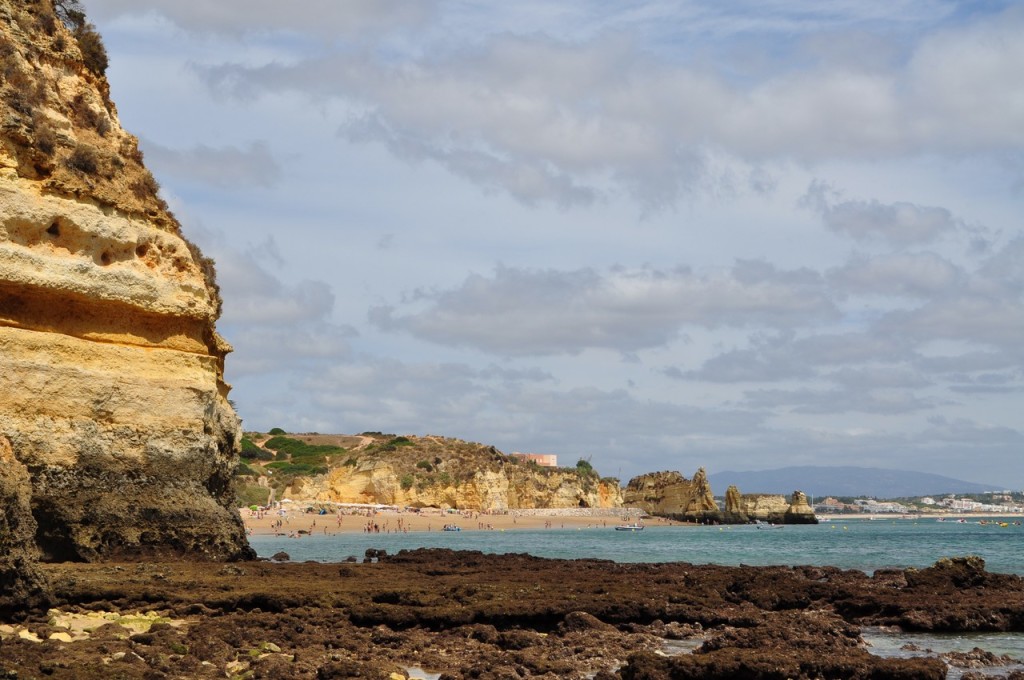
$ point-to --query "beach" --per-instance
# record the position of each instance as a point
(293, 518)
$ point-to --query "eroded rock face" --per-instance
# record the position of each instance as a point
(511, 487)
(21, 585)
(671, 495)
(114, 401)
(774, 508)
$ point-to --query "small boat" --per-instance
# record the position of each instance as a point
(767, 525)
(635, 526)
(452, 527)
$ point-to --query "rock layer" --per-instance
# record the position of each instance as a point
(774, 508)
(669, 494)
(114, 401)
(450, 473)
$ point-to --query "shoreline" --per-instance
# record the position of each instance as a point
(290, 519)
(352, 520)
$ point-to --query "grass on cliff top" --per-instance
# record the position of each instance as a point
(419, 461)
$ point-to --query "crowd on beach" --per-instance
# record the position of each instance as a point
(295, 520)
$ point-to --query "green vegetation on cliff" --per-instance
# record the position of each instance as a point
(419, 463)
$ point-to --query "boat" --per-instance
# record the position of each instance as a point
(766, 525)
(635, 526)
(452, 527)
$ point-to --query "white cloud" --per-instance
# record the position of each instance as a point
(523, 312)
(899, 224)
(323, 18)
(988, 321)
(531, 112)
(225, 167)
(899, 274)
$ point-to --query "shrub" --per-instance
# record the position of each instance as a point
(277, 430)
(407, 481)
(253, 452)
(46, 139)
(425, 465)
(94, 53)
(584, 467)
(243, 470)
(83, 159)
(299, 449)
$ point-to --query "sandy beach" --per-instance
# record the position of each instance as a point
(293, 518)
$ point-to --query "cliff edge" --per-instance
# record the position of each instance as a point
(114, 404)
(430, 471)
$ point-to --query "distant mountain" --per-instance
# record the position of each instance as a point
(844, 481)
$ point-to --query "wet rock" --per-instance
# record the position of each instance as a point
(977, 658)
(22, 585)
(582, 621)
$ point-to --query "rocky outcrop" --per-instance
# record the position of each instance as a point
(773, 508)
(460, 475)
(509, 489)
(669, 494)
(21, 585)
(114, 402)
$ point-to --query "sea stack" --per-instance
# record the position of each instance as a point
(114, 415)
(669, 494)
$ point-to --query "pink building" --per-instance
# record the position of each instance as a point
(542, 459)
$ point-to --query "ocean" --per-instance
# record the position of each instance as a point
(847, 544)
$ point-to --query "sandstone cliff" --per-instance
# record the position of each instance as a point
(669, 494)
(444, 473)
(114, 401)
(772, 508)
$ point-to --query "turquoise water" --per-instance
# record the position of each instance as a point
(854, 544)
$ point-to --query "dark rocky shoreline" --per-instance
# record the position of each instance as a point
(471, 615)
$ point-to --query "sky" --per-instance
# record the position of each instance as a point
(654, 235)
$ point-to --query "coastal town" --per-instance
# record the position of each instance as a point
(1003, 503)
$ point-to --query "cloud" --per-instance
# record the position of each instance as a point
(769, 360)
(549, 118)
(265, 349)
(901, 274)
(818, 402)
(899, 224)
(519, 312)
(1006, 267)
(322, 18)
(982, 319)
(225, 168)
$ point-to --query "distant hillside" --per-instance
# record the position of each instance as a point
(844, 481)
(428, 471)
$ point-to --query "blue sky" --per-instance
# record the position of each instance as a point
(658, 235)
